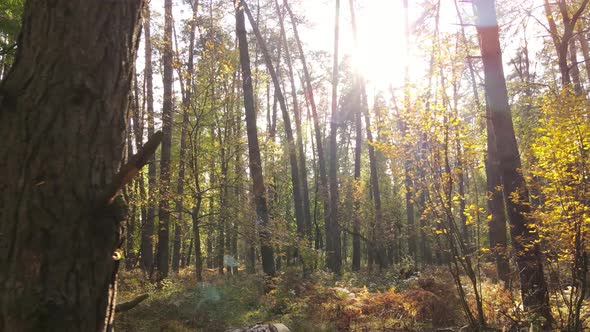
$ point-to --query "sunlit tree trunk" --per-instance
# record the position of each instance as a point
(530, 266)
(63, 119)
(408, 181)
(186, 89)
(301, 153)
(323, 175)
(333, 251)
(295, 175)
(163, 257)
(147, 231)
(562, 41)
(255, 163)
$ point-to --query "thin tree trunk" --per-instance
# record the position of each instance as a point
(317, 129)
(333, 251)
(186, 100)
(529, 261)
(296, 109)
(147, 231)
(408, 181)
(62, 128)
(575, 69)
(585, 52)
(255, 162)
(197, 238)
(164, 208)
(295, 176)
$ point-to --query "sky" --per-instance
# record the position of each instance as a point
(381, 55)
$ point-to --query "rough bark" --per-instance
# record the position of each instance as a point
(255, 163)
(63, 117)
(533, 286)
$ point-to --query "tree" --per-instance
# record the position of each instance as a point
(333, 252)
(255, 162)
(163, 257)
(147, 231)
(309, 93)
(528, 257)
(63, 117)
(295, 175)
(301, 153)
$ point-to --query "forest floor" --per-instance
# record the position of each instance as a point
(385, 301)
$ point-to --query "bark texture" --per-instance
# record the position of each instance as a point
(63, 118)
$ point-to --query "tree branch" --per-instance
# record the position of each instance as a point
(131, 304)
(129, 170)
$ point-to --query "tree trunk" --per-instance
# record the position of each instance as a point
(301, 153)
(497, 223)
(495, 202)
(529, 261)
(147, 231)
(255, 163)
(295, 176)
(197, 238)
(186, 100)
(408, 181)
(164, 208)
(63, 118)
(317, 129)
(333, 254)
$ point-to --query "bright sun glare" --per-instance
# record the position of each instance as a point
(381, 55)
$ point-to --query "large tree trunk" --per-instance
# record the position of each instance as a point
(255, 162)
(63, 117)
(516, 196)
(147, 231)
(495, 201)
(497, 223)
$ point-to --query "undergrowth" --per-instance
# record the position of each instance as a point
(361, 301)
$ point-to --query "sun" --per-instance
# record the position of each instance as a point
(381, 55)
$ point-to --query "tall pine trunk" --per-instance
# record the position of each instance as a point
(323, 175)
(302, 165)
(530, 264)
(255, 162)
(333, 250)
(63, 122)
(147, 231)
(164, 208)
(291, 147)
